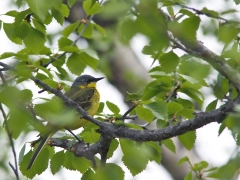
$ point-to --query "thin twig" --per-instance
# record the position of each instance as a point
(127, 117)
(174, 92)
(73, 134)
(15, 169)
(128, 111)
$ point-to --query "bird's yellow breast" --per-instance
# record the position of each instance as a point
(80, 122)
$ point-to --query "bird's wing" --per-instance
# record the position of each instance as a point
(81, 96)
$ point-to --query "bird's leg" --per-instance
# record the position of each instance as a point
(73, 135)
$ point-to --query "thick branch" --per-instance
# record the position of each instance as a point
(200, 120)
(197, 49)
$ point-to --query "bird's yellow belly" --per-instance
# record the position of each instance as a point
(80, 122)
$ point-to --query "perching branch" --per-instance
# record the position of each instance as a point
(121, 131)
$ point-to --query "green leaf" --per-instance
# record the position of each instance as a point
(22, 30)
(210, 12)
(221, 87)
(211, 106)
(134, 158)
(58, 16)
(221, 128)
(168, 143)
(89, 174)
(9, 31)
(12, 13)
(24, 164)
(100, 107)
(144, 113)
(134, 96)
(71, 3)
(153, 151)
(113, 146)
(73, 49)
(159, 109)
(179, 29)
(189, 176)
(70, 29)
(237, 2)
(56, 162)
(109, 171)
(68, 160)
(16, 104)
(19, 3)
(81, 164)
(51, 83)
(40, 8)
(41, 162)
(35, 40)
(229, 170)
(58, 63)
(39, 26)
(99, 28)
(90, 136)
(169, 62)
(90, 58)
(183, 160)
(188, 139)
(21, 154)
(65, 10)
(63, 41)
(170, 11)
(112, 107)
(227, 33)
(193, 93)
(90, 8)
(192, 23)
(193, 68)
(200, 166)
(115, 9)
(75, 64)
(88, 31)
(174, 107)
(7, 55)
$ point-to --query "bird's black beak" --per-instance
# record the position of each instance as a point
(98, 79)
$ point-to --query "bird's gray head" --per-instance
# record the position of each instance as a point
(85, 81)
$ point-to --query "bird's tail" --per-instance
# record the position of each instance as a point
(44, 140)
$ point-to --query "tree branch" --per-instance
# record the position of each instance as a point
(200, 120)
(197, 49)
(121, 131)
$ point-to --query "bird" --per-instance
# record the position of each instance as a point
(83, 91)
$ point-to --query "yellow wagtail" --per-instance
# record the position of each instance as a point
(83, 91)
